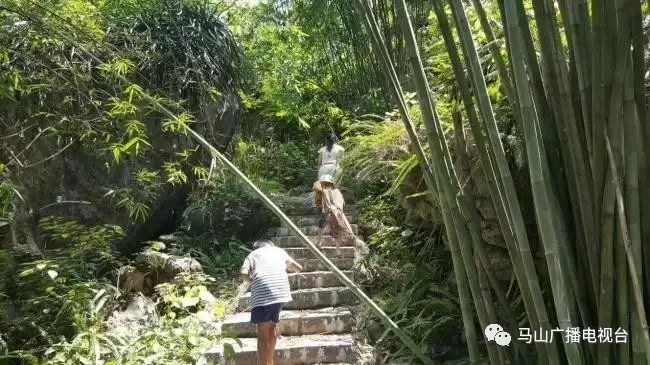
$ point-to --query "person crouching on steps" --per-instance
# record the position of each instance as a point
(266, 269)
(331, 202)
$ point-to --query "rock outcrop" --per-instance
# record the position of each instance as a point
(153, 267)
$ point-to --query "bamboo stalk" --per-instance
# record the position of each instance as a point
(541, 194)
(606, 302)
(490, 175)
(446, 181)
(452, 236)
(598, 113)
(631, 264)
(634, 111)
(572, 145)
(484, 267)
(485, 106)
(643, 116)
(623, 307)
(396, 90)
(544, 112)
(579, 24)
(631, 175)
(464, 291)
(495, 51)
(566, 189)
(488, 302)
(579, 44)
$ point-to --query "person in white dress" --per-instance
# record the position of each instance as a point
(329, 157)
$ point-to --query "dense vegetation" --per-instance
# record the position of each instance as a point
(497, 150)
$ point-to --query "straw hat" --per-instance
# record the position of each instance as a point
(327, 178)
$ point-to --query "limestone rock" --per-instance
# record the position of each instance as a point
(131, 279)
(165, 266)
(139, 314)
(152, 268)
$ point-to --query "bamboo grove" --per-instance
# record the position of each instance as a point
(574, 76)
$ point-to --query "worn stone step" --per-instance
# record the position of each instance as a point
(311, 230)
(326, 241)
(291, 350)
(295, 323)
(312, 209)
(310, 298)
(330, 252)
(312, 219)
(315, 279)
(345, 263)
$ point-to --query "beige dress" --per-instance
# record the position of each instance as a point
(332, 204)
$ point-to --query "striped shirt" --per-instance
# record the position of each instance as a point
(267, 267)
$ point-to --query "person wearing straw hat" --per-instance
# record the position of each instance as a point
(266, 269)
(332, 204)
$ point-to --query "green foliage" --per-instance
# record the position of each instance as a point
(81, 77)
(180, 335)
(225, 208)
(287, 88)
(200, 53)
(222, 261)
(6, 265)
(56, 296)
(374, 150)
(6, 197)
(170, 341)
(409, 271)
(440, 74)
(379, 160)
(306, 70)
(91, 342)
(87, 247)
(277, 166)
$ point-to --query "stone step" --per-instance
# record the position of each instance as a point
(312, 209)
(316, 265)
(310, 298)
(315, 279)
(292, 350)
(295, 323)
(308, 230)
(330, 252)
(312, 220)
(295, 241)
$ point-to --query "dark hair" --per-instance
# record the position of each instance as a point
(331, 139)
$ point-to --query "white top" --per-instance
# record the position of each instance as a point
(331, 157)
(268, 272)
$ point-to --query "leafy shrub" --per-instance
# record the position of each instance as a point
(52, 295)
(409, 276)
(226, 209)
(277, 166)
(188, 294)
(170, 341)
(180, 335)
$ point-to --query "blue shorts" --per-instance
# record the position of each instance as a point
(266, 313)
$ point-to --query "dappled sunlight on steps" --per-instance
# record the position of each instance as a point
(316, 327)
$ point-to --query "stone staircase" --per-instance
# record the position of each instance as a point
(316, 327)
